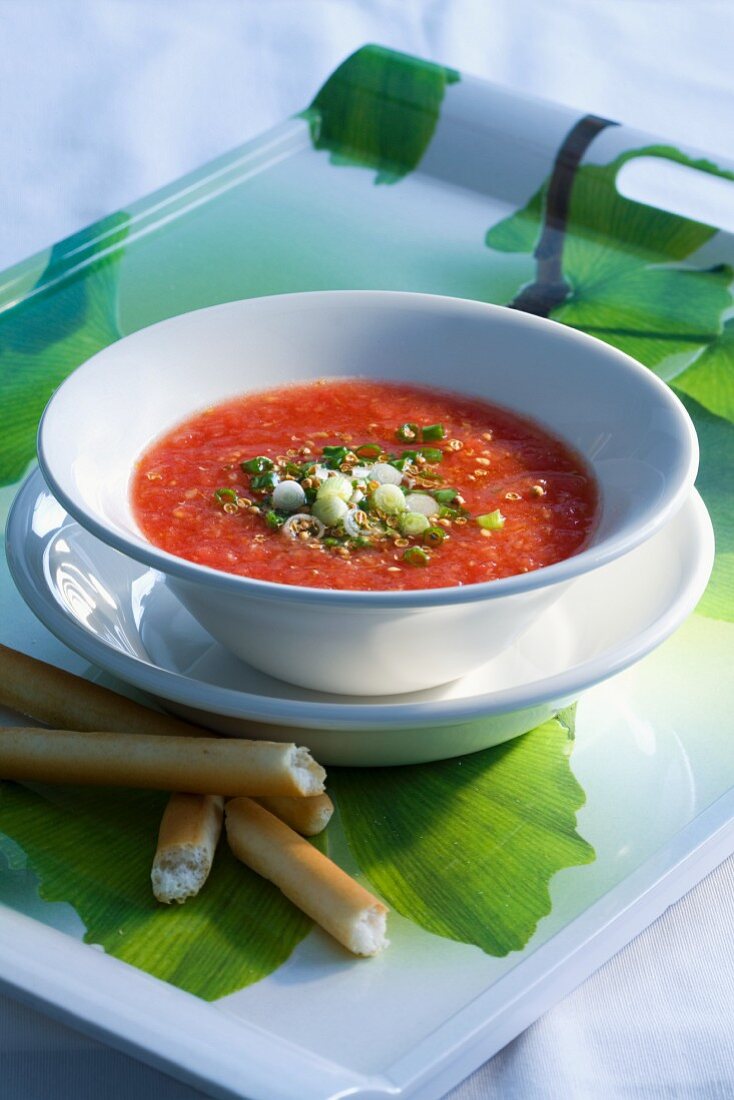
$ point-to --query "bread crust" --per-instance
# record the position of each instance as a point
(308, 816)
(59, 698)
(342, 906)
(203, 765)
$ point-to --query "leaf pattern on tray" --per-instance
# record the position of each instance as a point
(622, 263)
(379, 109)
(710, 378)
(94, 849)
(624, 275)
(466, 848)
(70, 314)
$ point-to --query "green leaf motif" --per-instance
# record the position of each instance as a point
(626, 281)
(69, 315)
(651, 313)
(379, 109)
(710, 379)
(714, 483)
(466, 848)
(623, 263)
(93, 849)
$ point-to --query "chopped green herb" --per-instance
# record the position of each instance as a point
(448, 513)
(432, 432)
(264, 482)
(406, 433)
(368, 450)
(399, 463)
(434, 536)
(222, 496)
(257, 465)
(334, 456)
(491, 521)
(416, 555)
(432, 454)
(274, 519)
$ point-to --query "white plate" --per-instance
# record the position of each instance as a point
(120, 615)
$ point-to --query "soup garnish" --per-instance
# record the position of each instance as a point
(333, 485)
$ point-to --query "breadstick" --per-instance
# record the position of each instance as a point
(62, 700)
(312, 882)
(308, 816)
(204, 765)
(190, 829)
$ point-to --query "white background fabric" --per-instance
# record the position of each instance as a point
(104, 100)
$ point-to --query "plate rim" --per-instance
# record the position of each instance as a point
(298, 714)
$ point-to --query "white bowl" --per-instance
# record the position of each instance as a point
(628, 425)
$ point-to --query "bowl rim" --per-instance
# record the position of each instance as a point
(591, 557)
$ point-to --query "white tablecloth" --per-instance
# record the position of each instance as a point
(104, 100)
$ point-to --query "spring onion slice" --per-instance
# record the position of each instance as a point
(421, 502)
(389, 499)
(385, 474)
(354, 523)
(288, 496)
(337, 485)
(491, 521)
(294, 525)
(330, 510)
(413, 524)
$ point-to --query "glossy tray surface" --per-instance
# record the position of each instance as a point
(551, 851)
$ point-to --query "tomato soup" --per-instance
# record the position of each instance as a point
(356, 484)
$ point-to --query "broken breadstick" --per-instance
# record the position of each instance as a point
(187, 839)
(203, 765)
(312, 882)
(308, 816)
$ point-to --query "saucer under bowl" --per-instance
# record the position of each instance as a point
(121, 615)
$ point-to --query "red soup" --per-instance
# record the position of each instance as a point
(356, 484)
